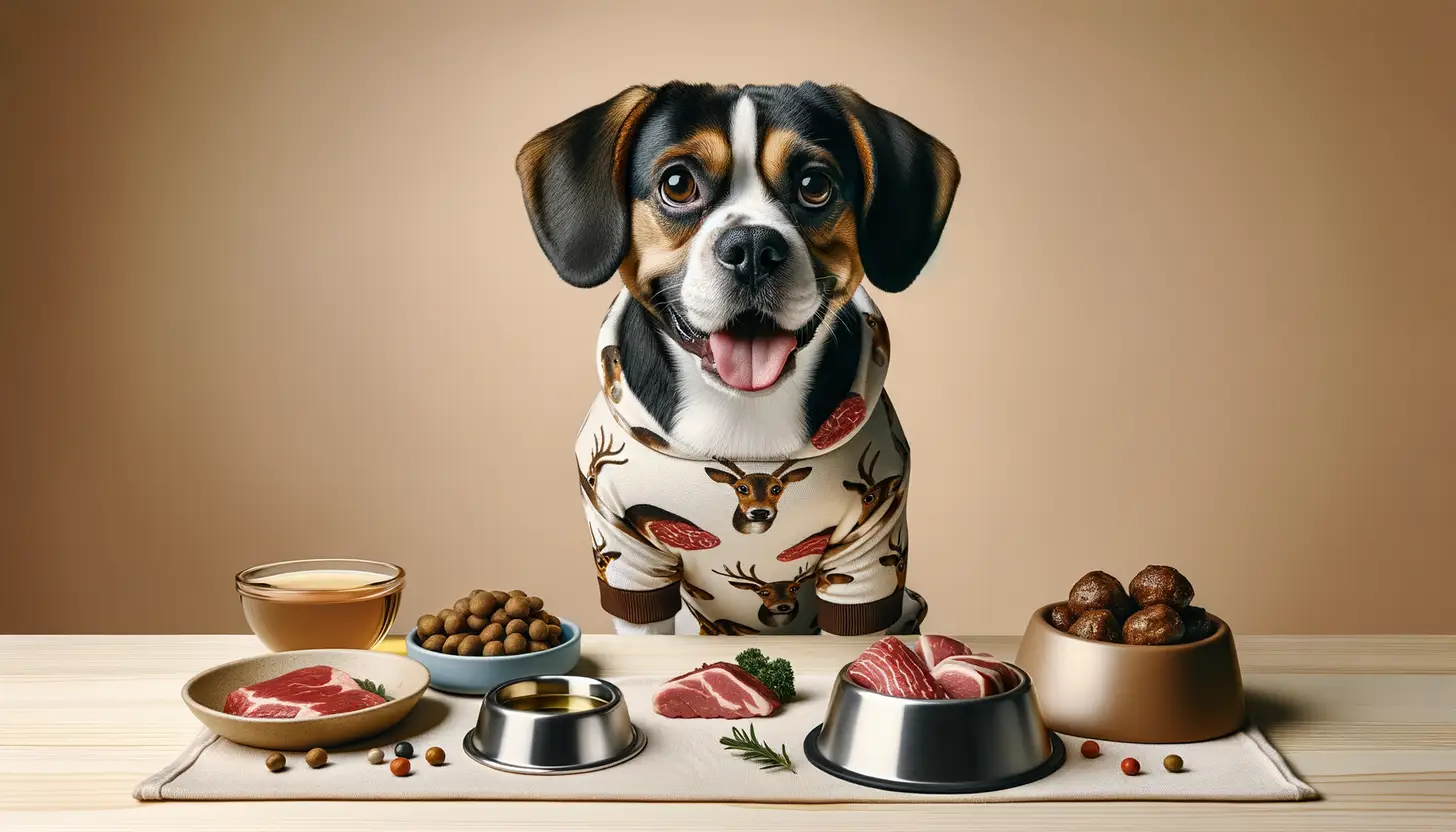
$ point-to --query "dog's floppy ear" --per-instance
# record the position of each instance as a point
(910, 180)
(574, 180)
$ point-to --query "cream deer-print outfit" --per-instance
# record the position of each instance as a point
(816, 541)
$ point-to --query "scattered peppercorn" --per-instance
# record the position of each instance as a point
(435, 755)
(1131, 767)
(316, 758)
(1173, 763)
(275, 762)
(404, 749)
(399, 767)
(376, 756)
(1091, 749)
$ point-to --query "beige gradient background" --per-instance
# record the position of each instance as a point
(269, 292)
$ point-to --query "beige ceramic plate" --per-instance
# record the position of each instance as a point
(403, 679)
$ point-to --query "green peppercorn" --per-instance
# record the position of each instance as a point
(1173, 763)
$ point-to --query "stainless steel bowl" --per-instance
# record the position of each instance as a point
(947, 746)
(554, 725)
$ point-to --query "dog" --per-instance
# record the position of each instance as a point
(728, 465)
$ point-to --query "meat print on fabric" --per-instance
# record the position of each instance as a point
(758, 494)
(647, 524)
(720, 627)
(779, 599)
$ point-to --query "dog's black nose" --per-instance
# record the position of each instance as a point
(759, 514)
(753, 252)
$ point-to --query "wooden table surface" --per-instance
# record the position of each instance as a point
(1370, 722)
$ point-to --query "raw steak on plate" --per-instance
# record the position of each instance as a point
(310, 691)
(721, 690)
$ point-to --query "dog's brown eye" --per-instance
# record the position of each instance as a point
(678, 186)
(814, 189)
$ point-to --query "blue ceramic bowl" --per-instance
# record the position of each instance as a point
(478, 674)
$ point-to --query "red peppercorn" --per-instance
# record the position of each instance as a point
(1091, 749)
(1131, 767)
(399, 766)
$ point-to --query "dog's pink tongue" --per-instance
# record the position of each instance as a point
(751, 363)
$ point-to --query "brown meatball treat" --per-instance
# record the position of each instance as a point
(516, 625)
(454, 623)
(435, 643)
(500, 617)
(518, 608)
(515, 643)
(1158, 624)
(537, 646)
(462, 606)
(1197, 626)
(1097, 625)
(554, 629)
(517, 593)
(493, 632)
(1160, 585)
(429, 625)
(442, 613)
(469, 646)
(538, 630)
(493, 648)
(1062, 617)
(483, 604)
(452, 644)
(536, 603)
(1099, 591)
(500, 597)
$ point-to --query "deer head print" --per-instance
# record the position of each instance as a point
(780, 599)
(879, 339)
(899, 558)
(612, 373)
(601, 558)
(873, 493)
(603, 454)
(758, 494)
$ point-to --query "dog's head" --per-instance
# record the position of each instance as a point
(741, 217)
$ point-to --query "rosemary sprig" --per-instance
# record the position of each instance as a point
(748, 747)
(373, 687)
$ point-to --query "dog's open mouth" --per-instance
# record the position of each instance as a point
(750, 354)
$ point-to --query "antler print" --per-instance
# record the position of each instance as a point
(604, 453)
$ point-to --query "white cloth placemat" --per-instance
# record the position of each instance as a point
(684, 762)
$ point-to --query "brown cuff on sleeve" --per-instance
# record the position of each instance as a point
(645, 606)
(859, 619)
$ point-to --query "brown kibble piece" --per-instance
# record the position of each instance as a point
(1158, 624)
(1197, 626)
(470, 646)
(1097, 625)
(517, 593)
(515, 643)
(554, 629)
(442, 613)
(435, 643)
(1099, 591)
(452, 644)
(1160, 585)
(500, 617)
(518, 608)
(429, 625)
(1062, 617)
(454, 623)
(316, 758)
(516, 625)
(483, 604)
(494, 632)
(462, 606)
(493, 648)
(500, 597)
(435, 755)
(538, 630)
(536, 603)
(275, 762)
(537, 646)
(475, 623)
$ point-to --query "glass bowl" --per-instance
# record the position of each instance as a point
(314, 604)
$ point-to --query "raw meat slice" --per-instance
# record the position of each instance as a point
(962, 680)
(721, 690)
(1005, 675)
(890, 668)
(814, 544)
(932, 649)
(841, 423)
(310, 691)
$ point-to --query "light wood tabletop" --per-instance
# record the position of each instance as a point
(1370, 722)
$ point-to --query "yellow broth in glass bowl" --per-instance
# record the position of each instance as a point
(311, 604)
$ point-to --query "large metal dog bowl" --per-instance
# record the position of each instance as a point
(946, 746)
(525, 726)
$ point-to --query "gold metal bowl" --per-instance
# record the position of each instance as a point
(1131, 692)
